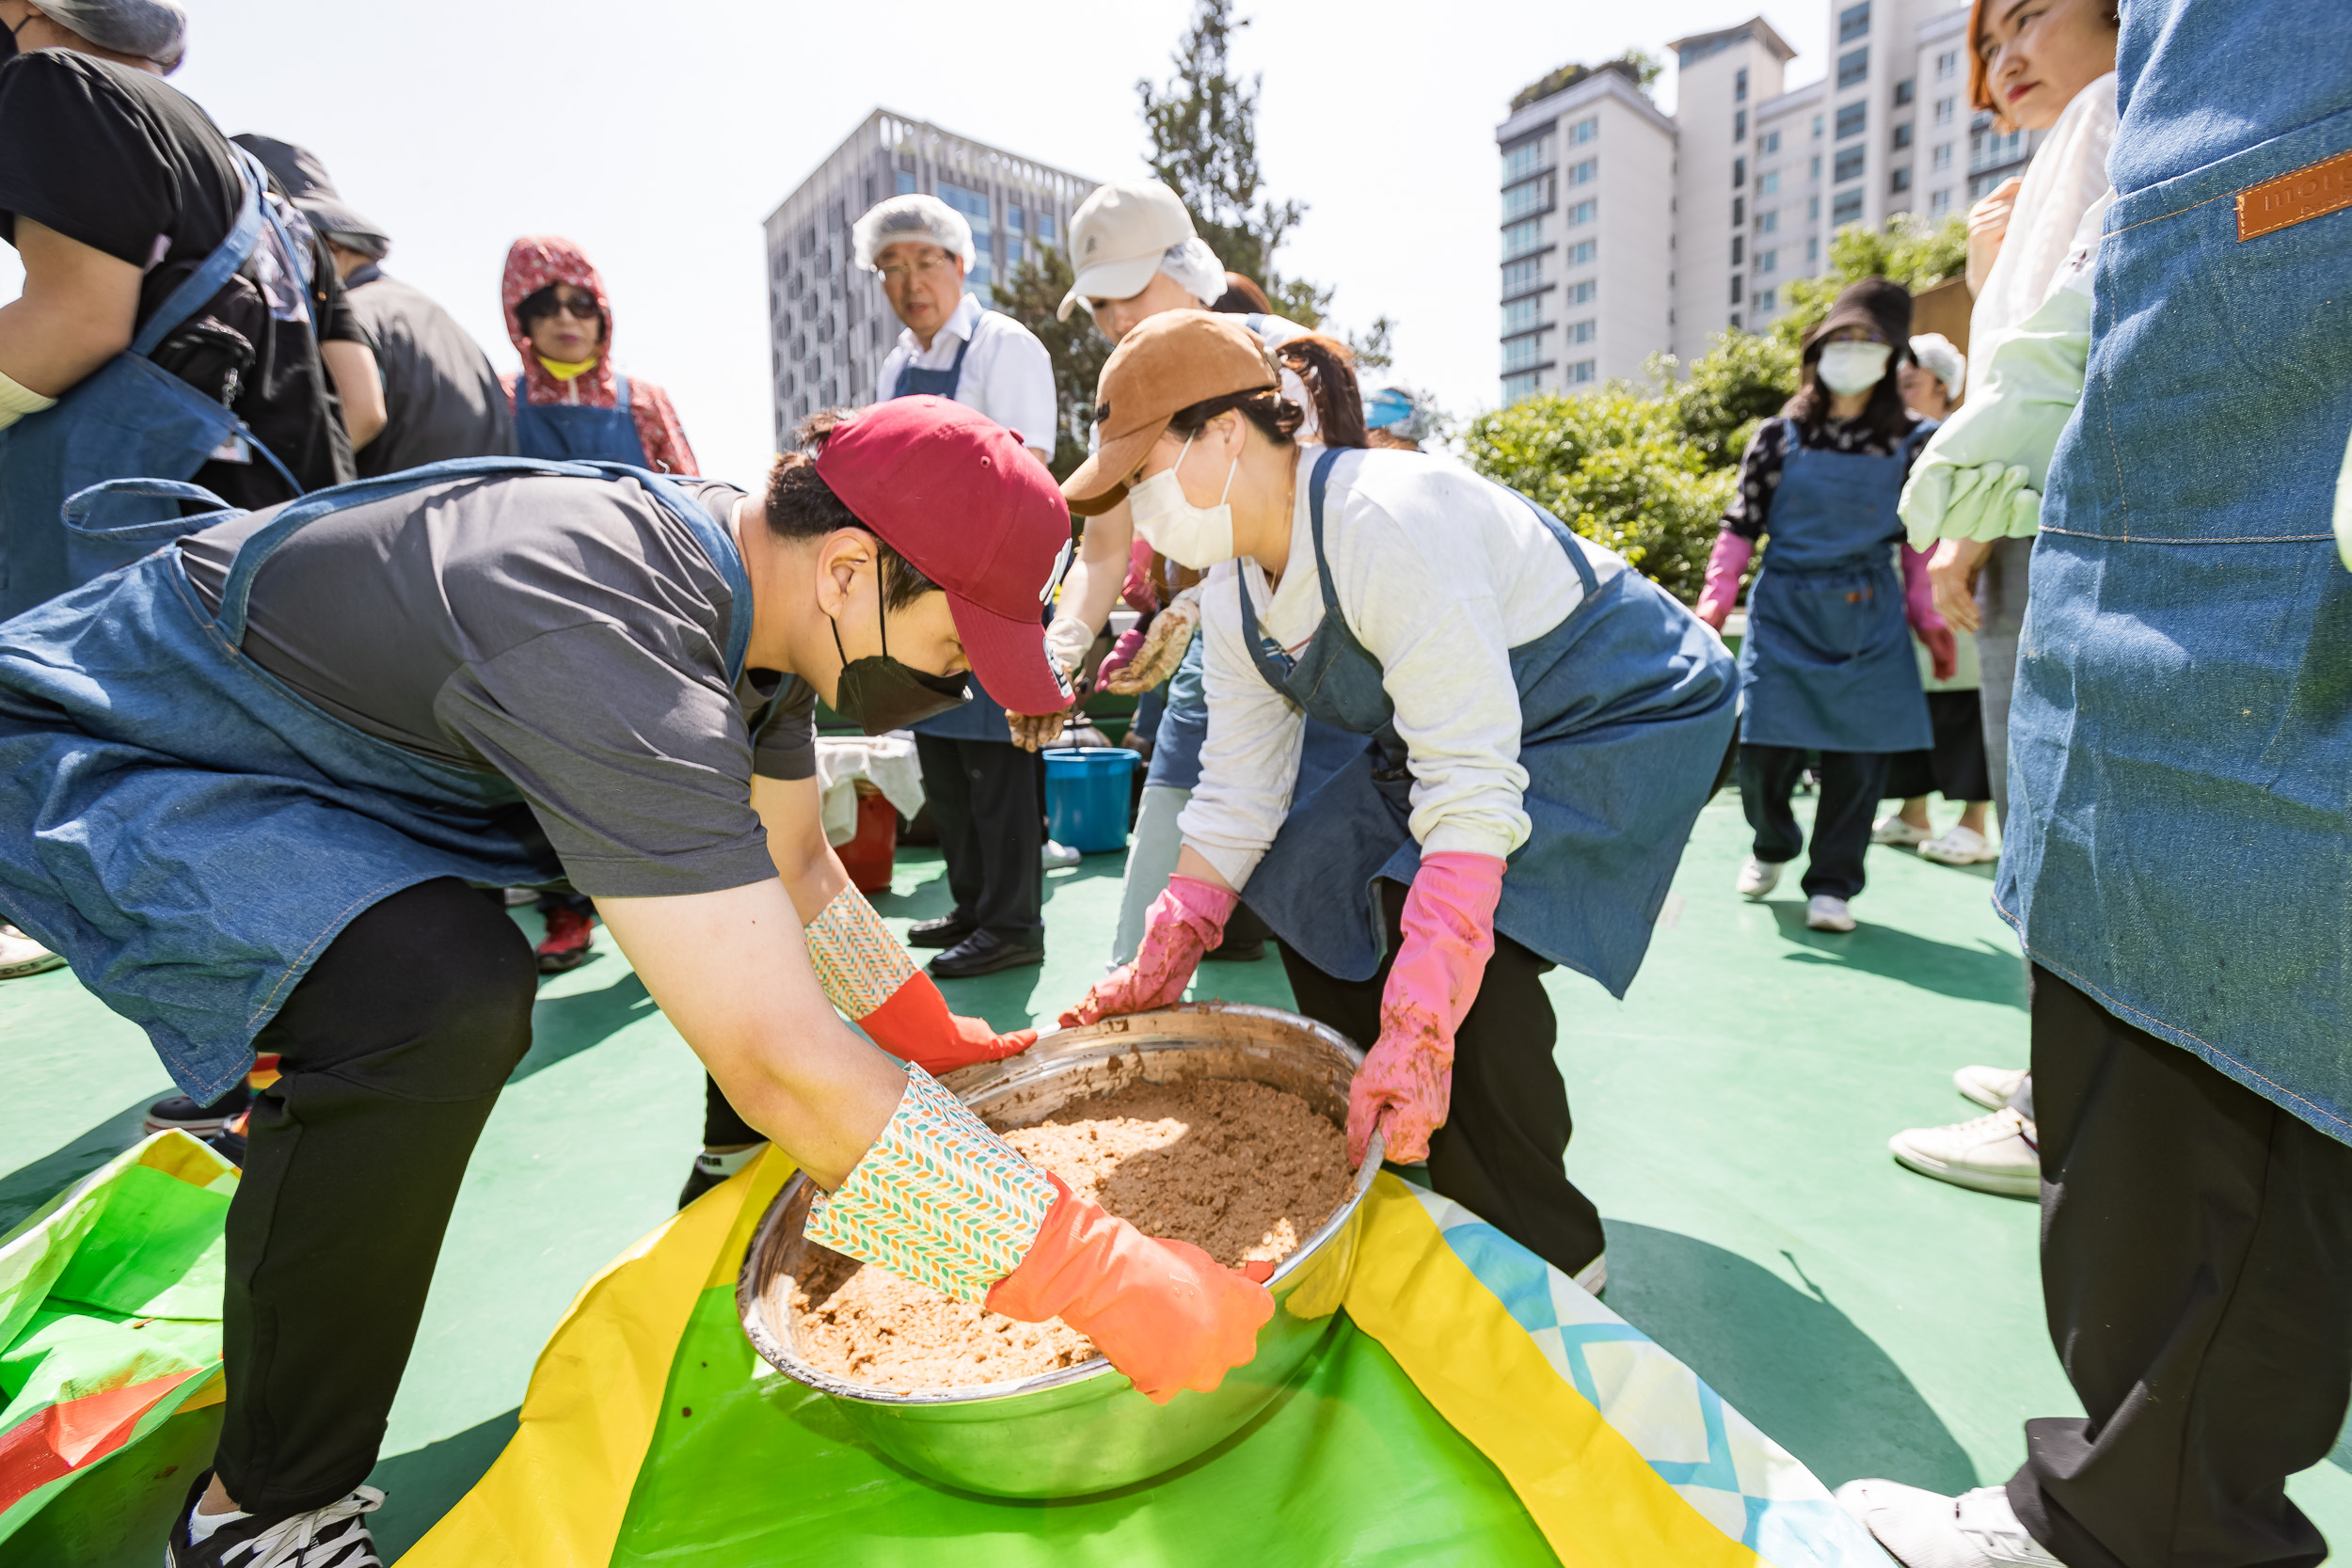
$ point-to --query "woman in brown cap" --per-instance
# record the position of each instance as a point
(1546, 723)
(1827, 662)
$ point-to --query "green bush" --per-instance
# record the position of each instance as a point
(1617, 468)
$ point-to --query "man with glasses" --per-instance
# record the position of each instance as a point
(984, 790)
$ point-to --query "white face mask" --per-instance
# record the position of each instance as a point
(1849, 368)
(1194, 536)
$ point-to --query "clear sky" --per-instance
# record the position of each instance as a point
(660, 135)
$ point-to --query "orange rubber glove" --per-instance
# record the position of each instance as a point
(873, 980)
(1406, 1082)
(1164, 1313)
(1184, 922)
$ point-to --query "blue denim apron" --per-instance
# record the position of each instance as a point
(191, 834)
(1827, 662)
(2179, 841)
(569, 432)
(129, 417)
(1626, 707)
(982, 717)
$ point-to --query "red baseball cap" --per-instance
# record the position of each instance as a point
(959, 495)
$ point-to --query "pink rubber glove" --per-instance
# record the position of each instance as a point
(1731, 558)
(1449, 934)
(1920, 608)
(1185, 922)
(1122, 653)
(1141, 597)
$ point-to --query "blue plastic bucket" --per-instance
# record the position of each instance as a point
(1086, 794)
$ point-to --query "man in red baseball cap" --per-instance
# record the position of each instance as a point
(500, 673)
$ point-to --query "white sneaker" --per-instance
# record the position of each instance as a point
(1892, 828)
(1055, 856)
(20, 954)
(1958, 846)
(1989, 1086)
(1992, 1154)
(1927, 1530)
(1824, 914)
(1593, 1278)
(1757, 878)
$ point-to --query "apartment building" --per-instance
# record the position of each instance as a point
(829, 327)
(1754, 177)
(1588, 231)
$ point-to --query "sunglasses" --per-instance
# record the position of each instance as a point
(584, 308)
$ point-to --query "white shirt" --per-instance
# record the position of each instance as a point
(2067, 175)
(1008, 374)
(1439, 574)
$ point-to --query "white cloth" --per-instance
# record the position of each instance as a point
(1008, 374)
(2068, 174)
(1439, 574)
(886, 761)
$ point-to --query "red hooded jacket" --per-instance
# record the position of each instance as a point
(535, 261)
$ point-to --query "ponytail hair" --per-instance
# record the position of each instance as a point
(1328, 370)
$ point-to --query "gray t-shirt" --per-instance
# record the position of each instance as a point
(566, 633)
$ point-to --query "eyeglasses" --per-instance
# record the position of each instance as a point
(584, 308)
(896, 272)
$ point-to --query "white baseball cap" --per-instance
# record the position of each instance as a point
(1118, 238)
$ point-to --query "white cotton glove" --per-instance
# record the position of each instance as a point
(2343, 508)
(1983, 471)
(18, 400)
(1163, 644)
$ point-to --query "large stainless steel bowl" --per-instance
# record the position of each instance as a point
(1084, 1429)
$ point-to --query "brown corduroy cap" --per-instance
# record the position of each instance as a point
(1166, 365)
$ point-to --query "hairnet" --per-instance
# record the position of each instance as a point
(153, 30)
(1196, 269)
(1400, 412)
(1941, 357)
(924, 219)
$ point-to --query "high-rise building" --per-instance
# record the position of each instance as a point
(829, 325)
(1736, 193)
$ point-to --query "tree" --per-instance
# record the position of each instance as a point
(1741, 381)
(1030, 294)
(1615, 466)
(1905, 251)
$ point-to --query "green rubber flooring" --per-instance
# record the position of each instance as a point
(1731, 1118)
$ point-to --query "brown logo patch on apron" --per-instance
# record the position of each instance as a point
(2312, 191)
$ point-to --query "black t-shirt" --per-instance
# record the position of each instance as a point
(567, 633)
(123, 162)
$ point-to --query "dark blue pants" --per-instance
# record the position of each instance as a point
(1853, 782)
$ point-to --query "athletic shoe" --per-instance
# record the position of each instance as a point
(1757, 878)
(516, 898)
(947, 931)
(1892, 828)
(1593, 1278)
(335, 1536)
(20, 954)
(1989, 1086)
(1990, 1154)
(1927, 1530)
(710, 1168)
(1825, 914)
(1054, 857)
(985, 953)
(1959, 845)
(187, 1115)
(570, 932)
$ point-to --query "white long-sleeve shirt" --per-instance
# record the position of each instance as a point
(2067, 175)
(1007, 375)
(1439, 574)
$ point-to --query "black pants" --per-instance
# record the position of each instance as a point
(723, 1127)
(392, 1050)
(985, 798)
(1507, 1127)
(1852, 784)
(2197, 1272)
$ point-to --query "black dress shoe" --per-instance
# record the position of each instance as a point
(985, 953)
(947, 931)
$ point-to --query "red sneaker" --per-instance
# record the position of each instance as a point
(569, 934)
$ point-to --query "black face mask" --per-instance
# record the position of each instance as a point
(878, 694)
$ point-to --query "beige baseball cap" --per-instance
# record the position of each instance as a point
(1117, 238)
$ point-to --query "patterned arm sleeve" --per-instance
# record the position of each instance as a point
(658, 429)
(1759, 476)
